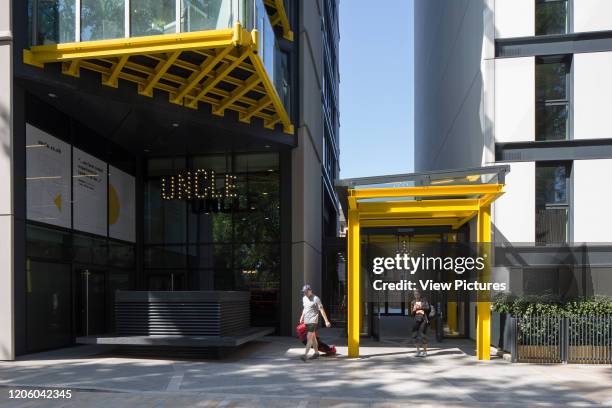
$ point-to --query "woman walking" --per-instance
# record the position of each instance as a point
(310, 317)
(419, 310)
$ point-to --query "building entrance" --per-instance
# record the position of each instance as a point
(451, 199)
(389, 316)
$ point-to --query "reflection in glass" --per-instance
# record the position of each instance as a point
(552, 204)
(551, 17)
(552, 121)
(49, 305)
(551, 185)
(152, 17)
(200, 15)
(55, 21)
(551, 81)
(101, 19)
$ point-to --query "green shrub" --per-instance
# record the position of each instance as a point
(547, 305)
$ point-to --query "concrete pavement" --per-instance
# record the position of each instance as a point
(270, 374)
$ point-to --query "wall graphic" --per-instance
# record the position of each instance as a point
(90, 193)
(47, 178)
(121, 205)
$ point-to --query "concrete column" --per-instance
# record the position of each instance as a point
(7, 328)
(306, 160)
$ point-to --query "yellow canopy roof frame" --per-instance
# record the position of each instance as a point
(450, 198)
(279, 18)
(220, 68)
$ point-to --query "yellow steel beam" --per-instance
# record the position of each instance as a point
(421, 206)
(246, 117)
(112, 79)
(236, 94)
(279, 17)
(426, 191)
(399, 215)
(218, 77)
(483, 306)
(160, 70)
(153, 44)
(195, 78)
(71, 68)
(487, 199)
(354, 292)
(418, 222)
(271, 90)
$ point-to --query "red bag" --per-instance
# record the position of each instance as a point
(301, 331)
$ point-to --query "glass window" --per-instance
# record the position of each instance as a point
(152, 17)
(552, 121)
(165, 220)
(552, 99)
(55, 21)
(49, 305)
(552, 17)
(200, 15)
(551, 80)
(552, 202)
(170, 256)
(102, 19)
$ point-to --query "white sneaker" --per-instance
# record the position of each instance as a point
(418, 354)
(424, 354)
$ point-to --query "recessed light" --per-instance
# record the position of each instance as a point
(175, 125)
(267, 146)
(270, 170)
(52, 95)
(146, 150)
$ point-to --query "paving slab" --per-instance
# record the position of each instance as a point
(269, 373)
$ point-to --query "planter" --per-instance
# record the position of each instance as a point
(539, 354)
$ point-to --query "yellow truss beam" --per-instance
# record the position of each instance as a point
(406, 222)
(227, 54)
(416, 207)
(278, 17)
(161, 68)
(426, 191)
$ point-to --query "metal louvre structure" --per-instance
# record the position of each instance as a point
(278, 17)
(220, 68)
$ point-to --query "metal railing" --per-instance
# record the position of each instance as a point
(555, 339)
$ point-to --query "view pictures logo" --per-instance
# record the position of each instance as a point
(406, 262)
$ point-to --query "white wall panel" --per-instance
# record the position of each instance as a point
(514, 212)
(592, 90)
(515, 99)
(592, 198)
(514, 18)
(592, 15)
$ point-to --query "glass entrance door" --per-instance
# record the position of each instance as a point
(90, 301)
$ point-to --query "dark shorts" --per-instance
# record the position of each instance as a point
(419, 329)
(312, 327)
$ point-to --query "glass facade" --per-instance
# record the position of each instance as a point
(552, 202)
(552, 17)
(102, 19)
(53, 21)
(217, 244)
(152, 17)
(552, 79)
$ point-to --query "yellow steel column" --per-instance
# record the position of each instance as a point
(354, 293)
(451, 305)
(483, 308)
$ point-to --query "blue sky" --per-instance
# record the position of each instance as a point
(376, 87)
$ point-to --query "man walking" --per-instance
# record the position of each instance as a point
(310, 317)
